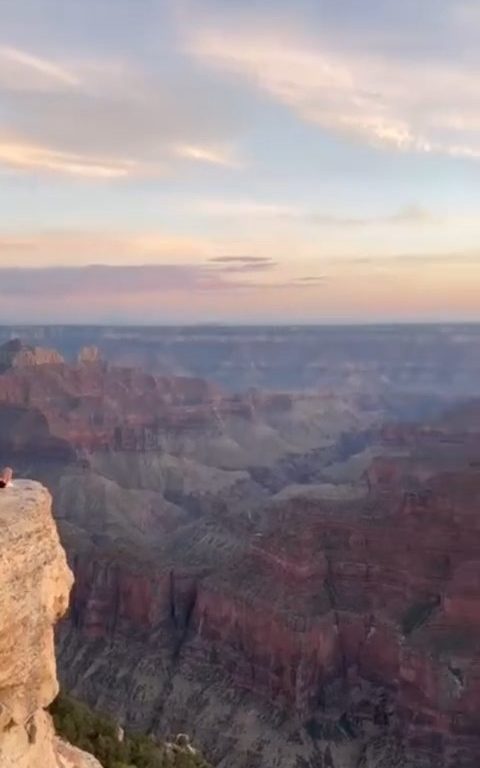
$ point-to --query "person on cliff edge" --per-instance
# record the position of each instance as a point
(6, 477)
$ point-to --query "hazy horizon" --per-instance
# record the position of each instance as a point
(175, 162)
(206, 324)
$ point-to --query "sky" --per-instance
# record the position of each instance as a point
(252, 161)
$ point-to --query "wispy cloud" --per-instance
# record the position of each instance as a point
(378, 97)
(108, 118)
(245, 260)
(311, 280)
(260, 210)
(21, 69)
(224, 156)
(398, 262)
(407, 216)
(451, 260)
(239, 264)
(25, 156)
(210, 290)
(60, 283)
(245, 207)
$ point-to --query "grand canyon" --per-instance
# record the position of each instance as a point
(274, 533)
(239, 384)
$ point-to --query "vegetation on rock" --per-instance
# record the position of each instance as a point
(99, 735)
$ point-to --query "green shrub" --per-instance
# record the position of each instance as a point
(97, 734)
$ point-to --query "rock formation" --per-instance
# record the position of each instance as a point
(277, 575)
(15, 354)
(89, 355)
(35, 582)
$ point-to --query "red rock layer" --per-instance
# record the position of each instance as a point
(384, 592)
(92, 405)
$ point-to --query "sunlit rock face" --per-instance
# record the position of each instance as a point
(15, 354)
(35, 584)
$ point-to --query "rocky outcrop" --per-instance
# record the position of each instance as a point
(15, 354)
(35, 582)
(89, 355)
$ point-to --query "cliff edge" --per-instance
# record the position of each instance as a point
(35, 584)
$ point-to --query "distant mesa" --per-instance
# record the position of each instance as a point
(17, 354)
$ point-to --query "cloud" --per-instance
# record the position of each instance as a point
(23, 70)
(232, 264)
(246, 208)
(193, 291)
(253, 260)
(412, 214)
(311, 280)
(111, 117)
(371, 93)
(29, 157)
(211, 155)
(79, 248)
(401, 261)
(51, 284)
(121, 107)
(448, 259)
(61, 282)
(408, 215)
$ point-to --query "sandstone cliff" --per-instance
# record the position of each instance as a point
(35, 583)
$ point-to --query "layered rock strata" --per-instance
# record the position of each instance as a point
(341, 632)
(332, 622)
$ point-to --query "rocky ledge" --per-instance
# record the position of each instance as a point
(35, 583)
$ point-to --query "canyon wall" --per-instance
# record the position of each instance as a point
(35, 583)
(288, 578)
(338, 633)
